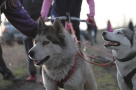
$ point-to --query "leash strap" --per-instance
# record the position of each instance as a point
(67, 26)
(61, 83)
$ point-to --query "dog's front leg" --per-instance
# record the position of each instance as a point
(121, 83)
(48, 83)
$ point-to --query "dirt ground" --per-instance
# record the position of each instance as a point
(15, 57)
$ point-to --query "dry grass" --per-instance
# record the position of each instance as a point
(15, 59)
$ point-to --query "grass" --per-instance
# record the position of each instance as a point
(19, 72)
(105, 81)
(15, 59)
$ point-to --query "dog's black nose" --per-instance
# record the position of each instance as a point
(103, 33)
(31, 53)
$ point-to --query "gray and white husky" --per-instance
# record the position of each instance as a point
(57, 52)
(123, 44)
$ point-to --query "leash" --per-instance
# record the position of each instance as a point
(61, 83)
(96, 49)
(73, 31)
(106, 64)
(77, 41)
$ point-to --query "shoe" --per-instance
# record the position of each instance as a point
(10, 76)
(31, 78)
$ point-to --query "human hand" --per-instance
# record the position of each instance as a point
(45, 18)
(90, 19)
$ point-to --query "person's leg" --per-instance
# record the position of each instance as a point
(31, 67)
(7, 74)
(77, 33)
(95, 37)
(90, 32)
(76, 28)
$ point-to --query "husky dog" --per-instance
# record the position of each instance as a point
(123, 44)
(57, 52)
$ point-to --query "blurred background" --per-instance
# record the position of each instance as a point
(119, 12)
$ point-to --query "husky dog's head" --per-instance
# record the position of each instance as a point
(122, 41)
(49, 43)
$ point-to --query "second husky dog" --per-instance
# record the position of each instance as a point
(63, 67)
(123, 44)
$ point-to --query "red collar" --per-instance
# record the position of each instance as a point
(61, 83)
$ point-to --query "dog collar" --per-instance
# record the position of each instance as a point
(61, 83)
(130, 57)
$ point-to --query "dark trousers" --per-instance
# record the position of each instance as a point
(3, 68)
(28, 42)
(28, 45)
(77, 33)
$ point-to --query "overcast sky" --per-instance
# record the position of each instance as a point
(119, 12)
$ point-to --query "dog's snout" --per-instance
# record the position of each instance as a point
(31, 53)
(104, 33)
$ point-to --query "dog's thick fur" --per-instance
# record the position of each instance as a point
(56, 51)
(123, 44)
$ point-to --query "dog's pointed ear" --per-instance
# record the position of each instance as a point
(57, 26)
(41, 22)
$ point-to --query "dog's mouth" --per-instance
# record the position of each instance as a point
(111, 43)
(40, 62)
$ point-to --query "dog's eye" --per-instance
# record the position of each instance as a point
(45, 43)
(119, 33)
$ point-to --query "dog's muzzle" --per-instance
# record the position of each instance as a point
(110, 42)
(37, 62)
(40, 62)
